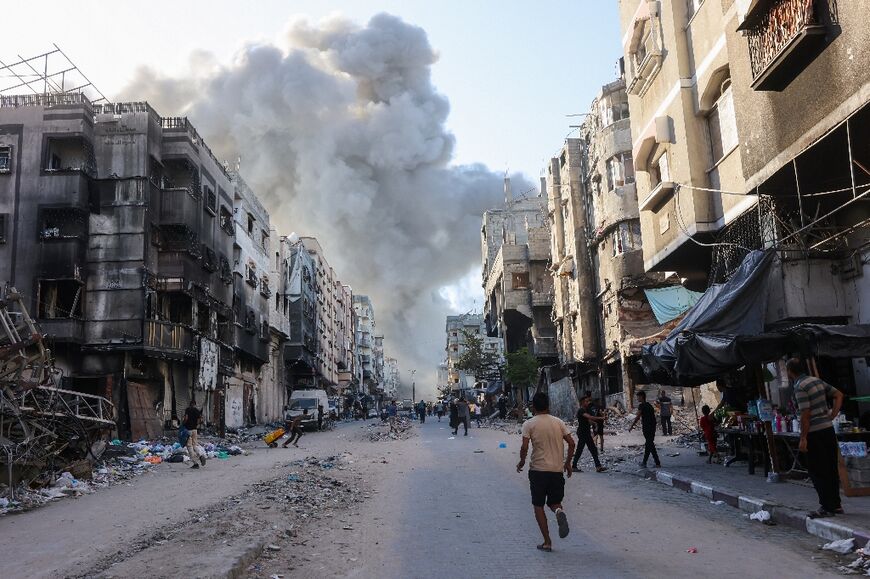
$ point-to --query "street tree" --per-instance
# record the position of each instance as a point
(483, 364)
(522, 368)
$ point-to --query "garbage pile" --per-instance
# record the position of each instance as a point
(380, 431)
(309, 488)
(861, 565)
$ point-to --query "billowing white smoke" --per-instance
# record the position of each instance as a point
(342, 136)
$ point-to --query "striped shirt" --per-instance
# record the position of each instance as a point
(811, 394)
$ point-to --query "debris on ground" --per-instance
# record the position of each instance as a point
(841, 546)
(761, 516)
(859, 565)
(380, 431)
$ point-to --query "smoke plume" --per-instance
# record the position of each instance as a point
(341, 133)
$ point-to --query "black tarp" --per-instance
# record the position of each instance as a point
(725, 330)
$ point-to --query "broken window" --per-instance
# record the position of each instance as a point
(72, 153)
(5, 158)
(626, 237)
(264, 239)
(59, 298)
(520, 280)
(612, 108)
(62, 223)
(179, 308)
(251, 222)
(209, 199)
(227, 220)
(251, 274)
(203, 319)
(659, 171)
(620, 170)
(181, 174)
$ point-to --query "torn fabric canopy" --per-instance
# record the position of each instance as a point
(669, 302)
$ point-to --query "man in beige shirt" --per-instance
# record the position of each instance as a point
(548, 436)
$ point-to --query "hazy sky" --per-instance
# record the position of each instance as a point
(511, 70)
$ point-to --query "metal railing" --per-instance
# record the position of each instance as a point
(168, 336)
(784, 21)
(45, 100)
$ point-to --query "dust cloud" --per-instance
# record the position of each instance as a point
(342, 135)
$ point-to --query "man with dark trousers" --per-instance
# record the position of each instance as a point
(647, 415)
(818, 440)
(548, 436)
(585, 438)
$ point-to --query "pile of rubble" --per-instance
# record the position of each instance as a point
(118, 463)
(682, 419)
(380, 431)
(508, 426)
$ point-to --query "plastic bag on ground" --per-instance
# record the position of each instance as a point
(760, 516)
(842, 546)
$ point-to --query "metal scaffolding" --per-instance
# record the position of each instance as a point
(50, 73)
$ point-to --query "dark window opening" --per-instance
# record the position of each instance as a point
(227, 220)
(68, 154)
(178, 308)
(203, 319)
(181, 174)
(520, 281)
(62, 223)
(59, 298)
(4, 218)
(210, 199)
(251, 222)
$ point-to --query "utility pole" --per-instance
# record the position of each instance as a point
(413, 387)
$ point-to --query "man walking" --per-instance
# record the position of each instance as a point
(585, 438)
(464, 416)
(818, 439)
(665, 410)
(192, 418)
(548, 436)
(439, 410)
(647, 415)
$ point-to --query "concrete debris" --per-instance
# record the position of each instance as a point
(380, 431)
(859, 565)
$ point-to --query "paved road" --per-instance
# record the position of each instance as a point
(452, 511)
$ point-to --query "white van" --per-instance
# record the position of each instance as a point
(307, 400)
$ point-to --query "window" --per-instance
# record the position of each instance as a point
(209, 199)
(264, 239)
(4, 217)
(62, 223)
(620, 170)
(625, 238)
(59, 298)
(520, 281)
(722, 124)
(69, 154)
(5, 158)
(227, 220)
(251, 222)
(659, 170)
(612, 108)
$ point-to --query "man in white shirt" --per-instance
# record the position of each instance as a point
(548, 436)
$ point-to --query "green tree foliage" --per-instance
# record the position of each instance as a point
(522, 368)
(476, 360)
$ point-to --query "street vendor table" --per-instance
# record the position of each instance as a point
(747, 445)
(791, 440)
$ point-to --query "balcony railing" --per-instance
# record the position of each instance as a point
(781, 30)
(168, 337)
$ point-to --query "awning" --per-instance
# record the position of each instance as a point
(724, 330)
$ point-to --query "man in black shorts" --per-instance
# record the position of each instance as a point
(294, 427)
(548, 436)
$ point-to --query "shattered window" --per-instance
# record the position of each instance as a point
(520, 280)
(59, 298)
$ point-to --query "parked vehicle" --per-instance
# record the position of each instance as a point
(301, 400)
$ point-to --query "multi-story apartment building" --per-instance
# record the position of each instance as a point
(378, 362)
(750, 130)
(365, 328)
(118, 228)
(600, 310)
(327, 311)
(517, 283)
(458, 328)
(345, 336)
(298, 291)
(392, 381)
(251, 299)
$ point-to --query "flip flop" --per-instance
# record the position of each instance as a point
(546, 548)
(562, 519)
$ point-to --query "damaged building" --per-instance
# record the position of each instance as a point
(518, 287)
(600, 309)
(750, 131)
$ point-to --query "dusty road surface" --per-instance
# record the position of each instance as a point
(431, 505)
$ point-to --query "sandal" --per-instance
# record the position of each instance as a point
(547, 548)
(820, 514)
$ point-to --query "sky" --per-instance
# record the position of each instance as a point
(511, 71)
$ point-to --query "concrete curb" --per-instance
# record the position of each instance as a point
(239, 568)
(828, 529)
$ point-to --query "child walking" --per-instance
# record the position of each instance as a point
(708, 426)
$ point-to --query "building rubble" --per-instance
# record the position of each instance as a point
(380, 431)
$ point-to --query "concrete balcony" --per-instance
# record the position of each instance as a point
(63, 329)
(180, 206)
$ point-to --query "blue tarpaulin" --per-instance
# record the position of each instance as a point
(669, 302)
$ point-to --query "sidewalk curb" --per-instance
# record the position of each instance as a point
(826, 529)
(239, 568)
